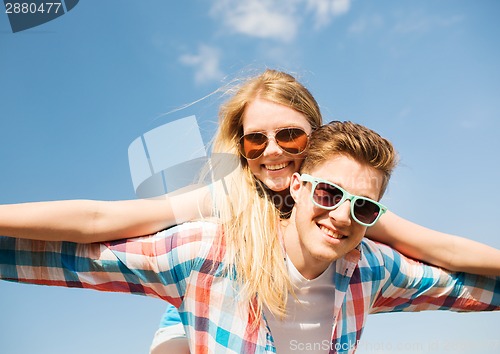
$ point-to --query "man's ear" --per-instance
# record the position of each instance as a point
(295, 185)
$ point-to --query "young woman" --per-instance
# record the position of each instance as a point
(253, 124)
(266, 123)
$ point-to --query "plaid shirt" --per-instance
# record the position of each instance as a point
(183, 266)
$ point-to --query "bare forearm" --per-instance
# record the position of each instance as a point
(87, 221)
(473, 257)
(62, 220)
(83, 221)
(69, 220)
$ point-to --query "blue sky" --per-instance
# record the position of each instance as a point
(76, 91)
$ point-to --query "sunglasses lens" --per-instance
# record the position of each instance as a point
(366, 211)
(327, 195)
(253, 145)
(292, 140)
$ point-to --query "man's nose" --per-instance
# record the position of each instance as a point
(342, 214)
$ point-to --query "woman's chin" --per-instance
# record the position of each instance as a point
(278, 186)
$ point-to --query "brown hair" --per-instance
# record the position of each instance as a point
(352, 140)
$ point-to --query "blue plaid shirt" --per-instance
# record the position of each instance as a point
(183, 266)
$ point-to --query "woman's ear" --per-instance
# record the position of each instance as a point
(295, 185)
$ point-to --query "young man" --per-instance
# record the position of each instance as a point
(337, 278)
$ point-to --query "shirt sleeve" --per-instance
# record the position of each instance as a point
(403, 284)
(170, 317)
(156, 265)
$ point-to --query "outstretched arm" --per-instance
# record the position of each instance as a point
(87, 221)
(444, 250)
(145, 266)
(403, 284)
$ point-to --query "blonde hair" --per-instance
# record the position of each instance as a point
(254, 251)
(352, 140)
(274, 86)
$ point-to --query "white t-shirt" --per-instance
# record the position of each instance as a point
(308, 325)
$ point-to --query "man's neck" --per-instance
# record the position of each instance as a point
(309, 267)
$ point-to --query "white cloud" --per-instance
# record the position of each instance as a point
(259, 18)
(205, 63)
(273, 19)
(325, 10)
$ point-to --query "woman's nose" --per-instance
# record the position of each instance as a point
(272, 148)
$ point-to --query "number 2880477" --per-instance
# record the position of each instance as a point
(32, 8)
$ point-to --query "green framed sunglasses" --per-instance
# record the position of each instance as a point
(328, 195)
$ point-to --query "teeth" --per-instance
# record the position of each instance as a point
(331, 233)
(277, 167)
